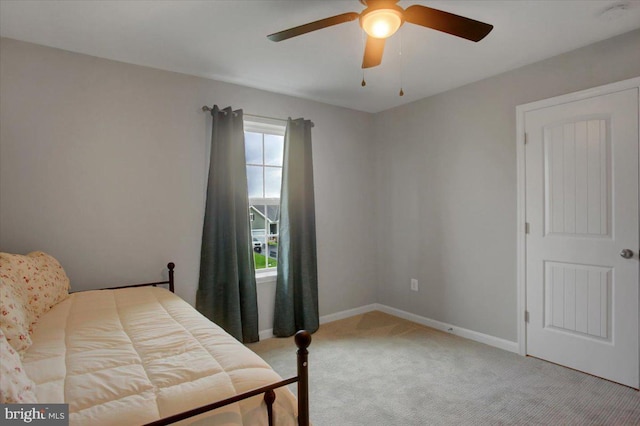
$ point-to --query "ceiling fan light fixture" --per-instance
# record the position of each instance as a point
(381, 23)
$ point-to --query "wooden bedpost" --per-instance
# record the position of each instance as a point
(303, 340)
(269, 399)
(171, 265)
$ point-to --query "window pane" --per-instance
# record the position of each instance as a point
(253, 147)
(259, 236)
(273, 150)
(254, 181)
(273, 213)
(273, 180)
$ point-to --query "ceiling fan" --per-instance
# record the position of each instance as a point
(382, 18)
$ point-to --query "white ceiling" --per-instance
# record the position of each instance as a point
(226, 40)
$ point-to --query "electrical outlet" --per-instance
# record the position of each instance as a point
(414, 284)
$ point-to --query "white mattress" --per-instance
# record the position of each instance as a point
(131, 356)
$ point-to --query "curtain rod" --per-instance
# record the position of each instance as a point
(209, 109)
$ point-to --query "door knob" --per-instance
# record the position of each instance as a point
(626, 253)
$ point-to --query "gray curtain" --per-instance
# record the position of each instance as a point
(227, 286)
(296, 305)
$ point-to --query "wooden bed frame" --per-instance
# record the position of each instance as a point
(302, 339)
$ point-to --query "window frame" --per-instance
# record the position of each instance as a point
(265, 126)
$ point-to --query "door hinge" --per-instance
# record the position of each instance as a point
(526, 227)
(526, 316)
(525, 138)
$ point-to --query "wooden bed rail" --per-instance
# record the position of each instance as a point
(303, 340)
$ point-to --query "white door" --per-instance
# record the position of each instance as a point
(581, 183)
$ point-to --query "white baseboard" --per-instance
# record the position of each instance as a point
(497, 342)
(265, 334)
(348, 313)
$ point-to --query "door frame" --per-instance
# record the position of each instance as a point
(521, 249)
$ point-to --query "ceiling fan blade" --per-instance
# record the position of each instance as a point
(447, 22)
(373, 51)
(313, 26)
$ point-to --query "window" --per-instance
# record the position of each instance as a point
(264, 148)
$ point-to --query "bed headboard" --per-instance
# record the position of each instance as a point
(170, 266)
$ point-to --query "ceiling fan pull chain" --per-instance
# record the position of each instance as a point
(364, 83)
(401, 66)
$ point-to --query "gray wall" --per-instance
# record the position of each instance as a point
(103, 165)
(446, 175)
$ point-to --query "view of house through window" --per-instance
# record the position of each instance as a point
(264, 146)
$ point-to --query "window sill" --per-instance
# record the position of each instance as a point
(266, 276)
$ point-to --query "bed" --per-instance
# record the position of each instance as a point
(134, 355)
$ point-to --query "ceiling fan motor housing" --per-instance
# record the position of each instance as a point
(381, 18)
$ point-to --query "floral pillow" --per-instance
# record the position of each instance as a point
(48, 284)
(29, 286)
(15, 317)
(15, 386)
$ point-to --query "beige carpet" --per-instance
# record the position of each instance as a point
(376, 369)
